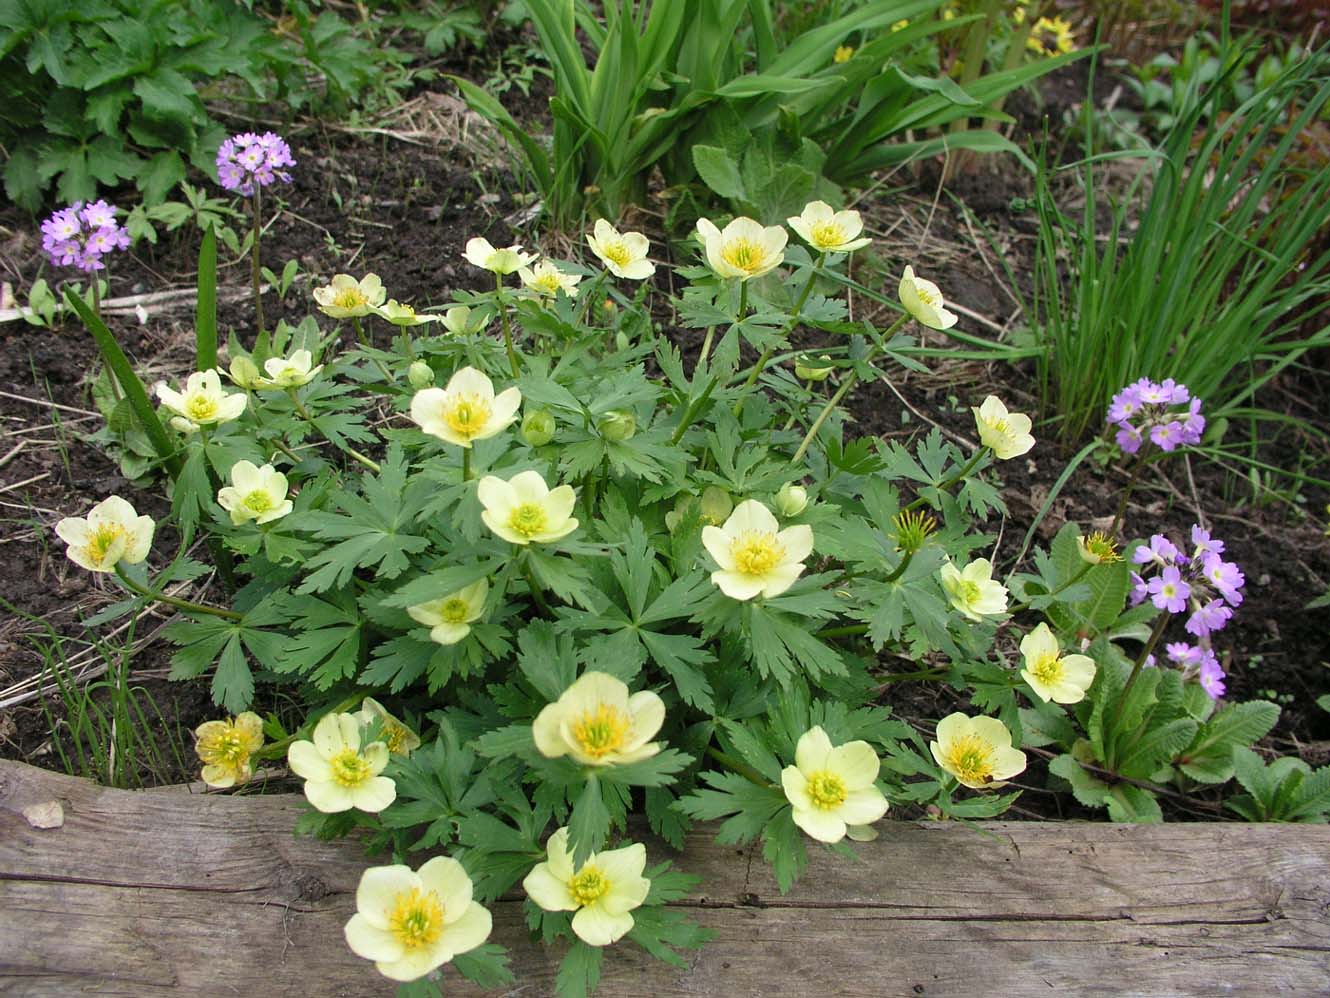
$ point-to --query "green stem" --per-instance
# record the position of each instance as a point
(363, 339)
(256, 275)
(1155, 635)
(179, 604)
(536, 593)
(959, 476)
(97, 301)
(899, 570)
(1126, 494)
(756, 372)
(507, 328)
(309, 418)
(706, 347)
(844, 631)
(738, 766)
(466, 464)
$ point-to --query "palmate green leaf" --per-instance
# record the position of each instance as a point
(660, 930)
(783, 847)
(664, 818)
(579, 971)
(205, 640)
(682, 656)
(485, 966)
(547, 659)
(589, 823)
(747, 808)
(655, 771)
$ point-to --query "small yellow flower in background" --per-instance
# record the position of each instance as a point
(545, 280)
(923, 300)
(400, 739)
(339, 772)
(479, 253)
(844, 53)
(224, 747)
(972, 589)
(290, 372)
(347, 298)
(112, 532)
(451, 617)
(832, 787)
(899, 26)
(410, 923)
(403, 315)
(257, 494)
(624, 254)
(524, 509)
(1060, 37)
(1006, 434)
(202, 403)
(602, 891)
(829, 231)
(1052, 675)
(459, 320)
(1097, 549)
(754, 554)
(466, 410)
(1018, 14)
(598, 723)
(745, 249)
(977, 751)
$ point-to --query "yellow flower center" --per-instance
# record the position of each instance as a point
(744, 254)
(416, 919)
(588, 885)
(998, 425)
(349, 768)
(528, 519)
(970, 592)
(101, 540)
(927, 297)
(601, 731)
(454, 610)
(394, 736)
(226, 748)
(970, 758)
(616, 252)
(756, 552)
(350, 298)
(1102, 547)
(467, 415)
(1047, 669)
(827, 234)
(826, 790)
(201, 409)
(258, 501)
(548, 283)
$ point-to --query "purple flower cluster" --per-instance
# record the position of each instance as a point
(1143, 411)
(246, 159)
(80, 235)
(1201, 584)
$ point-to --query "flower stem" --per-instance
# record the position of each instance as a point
(255, 268)
(536, 593)
(179, 604)
(309, 418)
(507, 327)
(275, 750)
(706, 347)
(1126, 494)
(363, 340)
(1155, 635)
(466, 464)
(738, 766)
(960, 475)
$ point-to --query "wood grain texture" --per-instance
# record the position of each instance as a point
(172, 893)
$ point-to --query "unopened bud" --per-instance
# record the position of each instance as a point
(617, 424)
(621, 341)
(420, 374)
(538, 428)
(809, 368)
(792, 499)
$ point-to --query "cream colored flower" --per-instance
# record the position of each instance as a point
(111, 533)
(977, 751)
(244, 374)
(597, 723)
(602, 891)
(224, 747)
(403, 315)
(400, 739)
(524, 509)
(1007, 434)
(451, 617)
(754, 554)
(410, 923)
(623, 254)
(257, 494)
(545, 280)
(347, 298)
(745, 249)
(923, 300)
(290, 372)
(829, 231)
(202, 403)
(832, 789)
(460, 320)
(972, 589)
(339, 772)
(1052, 675)
(466, 410)
(479, 253)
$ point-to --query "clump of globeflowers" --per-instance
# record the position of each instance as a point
(1148, 410)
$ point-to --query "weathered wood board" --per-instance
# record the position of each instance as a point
(173, 893)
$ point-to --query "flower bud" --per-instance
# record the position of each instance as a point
(245, 373)
(420, 374)
(792, 499)
(609, 306)
(810, 368)
(621, 341)
(538, 427)
(617, 424)
(716, 505)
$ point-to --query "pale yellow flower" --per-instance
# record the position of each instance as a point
(409, 923)
(224, 747)
(923, 300)
(257, 494)
(623, 254)
(832, 788)
(972, 589)
(290, 372)
(403, 315)
(754, 554)
(339, 772)
(451, 617)
(112, 532)
(977, 751)
(545, 280)
(466, 410)
(1007, 434)
(745, 249)
(598, 723)
(244, 373)
(827, 230)
(459, 320)
(202, 403)
(400, 739)
(346, 298)
(479, 253)
(524, 510)
(602, 891)
(1052, 675)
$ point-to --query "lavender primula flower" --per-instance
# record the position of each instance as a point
(1139, 590)
(1166, 436)
(1168, 591)
(1225, 576)
(1141, 411)
(1212, 677)
(1160, 550)
(1201, 538)
(247, 160)
(1129, 439)
(1181, 653)
(81, 235)
(1207, 619)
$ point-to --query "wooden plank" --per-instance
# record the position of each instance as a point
(172, 893)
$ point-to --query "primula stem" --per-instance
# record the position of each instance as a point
(1126, 494)
(1155, 635)
(309, 418)
(179, 604)
(507, 327)
(959, 476)
(255, 268)
(97, 299)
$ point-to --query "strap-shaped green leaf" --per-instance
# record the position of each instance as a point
(205, 314)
